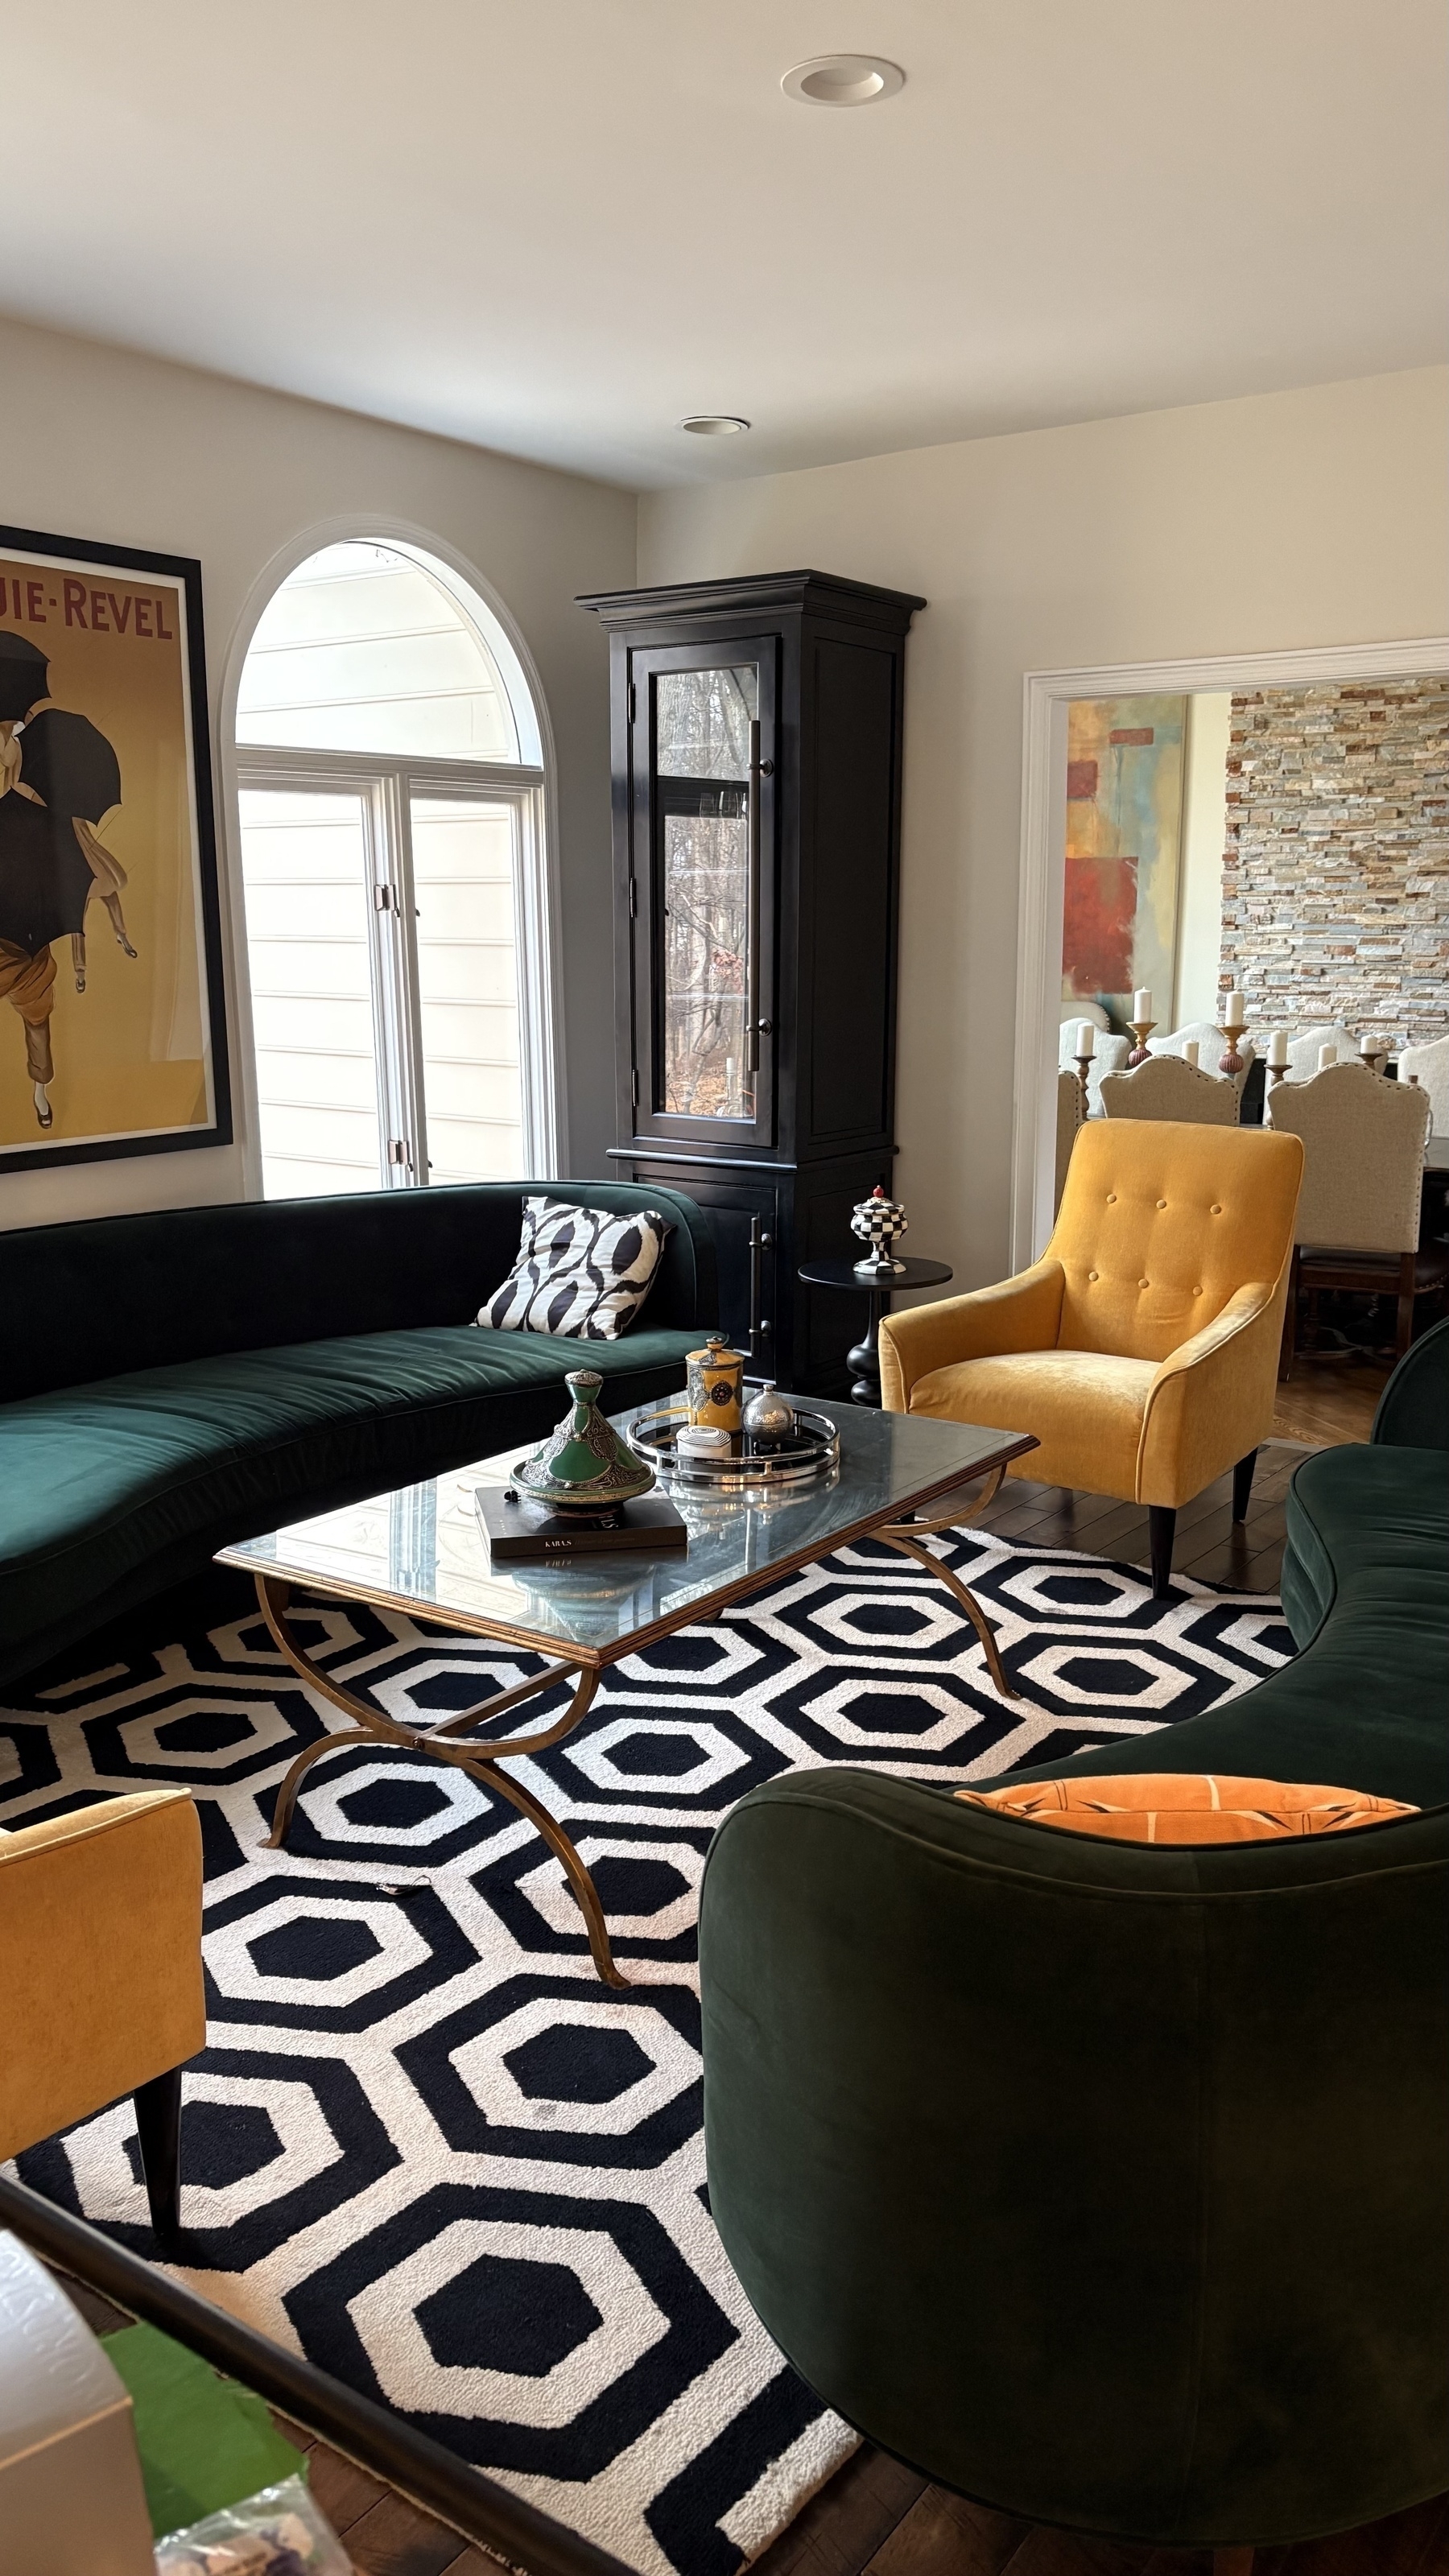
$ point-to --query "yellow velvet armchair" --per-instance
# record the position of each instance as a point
(100, 1975)
(1142, 1348)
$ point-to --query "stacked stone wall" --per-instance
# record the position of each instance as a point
(1336, 873)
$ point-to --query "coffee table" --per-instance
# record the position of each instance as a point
(421, 1550)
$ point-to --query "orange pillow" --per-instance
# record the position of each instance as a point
(1185, 1807)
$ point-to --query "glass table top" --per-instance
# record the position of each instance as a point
(422, 1549)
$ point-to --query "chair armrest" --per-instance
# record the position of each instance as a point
(1020, 1314)
(1212, 1399)
(100, 1958)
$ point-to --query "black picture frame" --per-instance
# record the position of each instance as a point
(185, 571)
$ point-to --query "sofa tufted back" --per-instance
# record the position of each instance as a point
(1160, 1224)
(132, 1292)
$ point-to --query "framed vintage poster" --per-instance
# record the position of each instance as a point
(112, 1029)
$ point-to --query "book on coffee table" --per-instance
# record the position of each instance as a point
(519, 1531)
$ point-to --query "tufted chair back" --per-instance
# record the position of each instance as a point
(1160, 1224)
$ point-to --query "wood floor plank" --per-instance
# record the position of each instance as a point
(943, 2535)
(345, 2493)
(847, 2521)
(395, 2539)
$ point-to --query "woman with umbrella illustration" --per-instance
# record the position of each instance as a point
(59, 778)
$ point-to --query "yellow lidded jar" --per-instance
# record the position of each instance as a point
(715, 1385)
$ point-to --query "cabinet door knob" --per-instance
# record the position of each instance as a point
(766, 1028)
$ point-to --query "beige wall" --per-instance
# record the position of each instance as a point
(1204, 838)
(97, 443)
(1292, 519)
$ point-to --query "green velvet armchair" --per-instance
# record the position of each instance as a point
(1106, 2183)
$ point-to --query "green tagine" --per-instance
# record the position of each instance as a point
(583, 1465)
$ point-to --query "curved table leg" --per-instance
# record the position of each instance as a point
(480, 1761)
(907, 1536)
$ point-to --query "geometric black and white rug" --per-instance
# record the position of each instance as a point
(425, 2146)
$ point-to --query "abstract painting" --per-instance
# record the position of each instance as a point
(1124, 833)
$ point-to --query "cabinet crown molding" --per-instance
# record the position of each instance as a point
(821, 594)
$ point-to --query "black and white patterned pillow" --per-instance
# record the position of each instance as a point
(580, 1270)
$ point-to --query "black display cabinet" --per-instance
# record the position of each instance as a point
(756, 754)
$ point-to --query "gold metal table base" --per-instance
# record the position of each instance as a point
(481, 1761)
(907, 1536)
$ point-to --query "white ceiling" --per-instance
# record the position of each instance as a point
(555, 226)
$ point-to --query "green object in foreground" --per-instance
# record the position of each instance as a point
(205, 2442)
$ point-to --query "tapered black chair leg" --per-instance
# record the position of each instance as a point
(1243, 1484)
(1161, 1525)
(158, 2126)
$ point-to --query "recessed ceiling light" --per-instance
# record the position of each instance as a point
(714, 424)
(843, 80)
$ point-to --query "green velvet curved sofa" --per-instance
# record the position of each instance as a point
(1105, 2184)
(176, 1381)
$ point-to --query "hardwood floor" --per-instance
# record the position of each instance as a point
(1329, 1400)
(1210, 1544)
(876, 2518)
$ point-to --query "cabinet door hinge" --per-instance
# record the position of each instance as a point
(634, 1087)
(399, 1152)
(633, 898)
(633, 702)
(384, 898)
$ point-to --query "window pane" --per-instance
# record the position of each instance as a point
(702, 721)
(706, 942)
(362, 649)
(304, 869)
(463, 881)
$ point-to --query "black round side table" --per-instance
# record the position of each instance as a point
(864, 1358)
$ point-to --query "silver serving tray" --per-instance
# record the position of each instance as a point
(812, 1449)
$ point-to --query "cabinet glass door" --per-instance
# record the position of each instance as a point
(711, 892)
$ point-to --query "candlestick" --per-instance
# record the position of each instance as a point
(1085, 1050)
(1142, 1030)
(1278, 1051)
(1371, 1054)
(1141, 1007)
(1231, 1027)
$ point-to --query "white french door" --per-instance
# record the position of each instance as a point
(399, 1034)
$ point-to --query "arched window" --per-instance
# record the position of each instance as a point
(391, 784)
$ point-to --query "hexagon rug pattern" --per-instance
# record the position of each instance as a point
(425, 2145)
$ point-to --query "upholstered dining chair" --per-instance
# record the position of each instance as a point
(1166, 1086)
(1429, 1067)
(1070, 1113)
(1363, 1183)
(1142, 1348)
(1305, 1046)
(100, 1974)
(1209, 1040)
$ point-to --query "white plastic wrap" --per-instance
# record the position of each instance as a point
(277, 2533)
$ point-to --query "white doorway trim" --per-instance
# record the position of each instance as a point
(1047, 695)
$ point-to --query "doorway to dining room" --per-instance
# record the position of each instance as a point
(1316, 900)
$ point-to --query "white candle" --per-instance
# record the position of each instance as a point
(1278, 1049)
(1237, 1013)
(1191, 1051)
(1368, 1048)
(1327, 1055)
(1086, 1037)
(1141, 1007)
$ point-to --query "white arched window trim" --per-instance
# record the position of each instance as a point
(528, 786)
